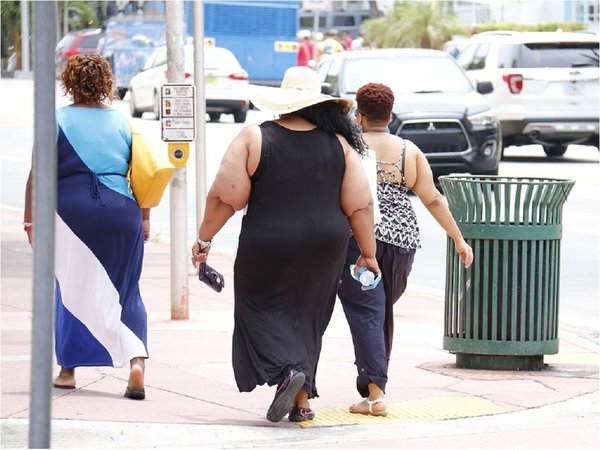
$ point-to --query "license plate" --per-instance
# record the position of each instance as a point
(210, 80)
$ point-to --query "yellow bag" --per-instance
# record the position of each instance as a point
(149, 171)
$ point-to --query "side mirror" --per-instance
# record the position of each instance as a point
(485, 87)
(326, 89)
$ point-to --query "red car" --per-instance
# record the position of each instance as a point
(74, 43)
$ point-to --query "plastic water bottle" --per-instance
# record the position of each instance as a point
(366, 277)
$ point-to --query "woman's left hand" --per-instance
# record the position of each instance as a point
(369, 263)
(146, 223)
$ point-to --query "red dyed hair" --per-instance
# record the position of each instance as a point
(375, 100)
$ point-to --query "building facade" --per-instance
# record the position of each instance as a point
(348, 13)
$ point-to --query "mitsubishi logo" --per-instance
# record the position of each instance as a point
(431, 127)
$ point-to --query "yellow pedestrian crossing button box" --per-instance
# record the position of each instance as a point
(179, 153)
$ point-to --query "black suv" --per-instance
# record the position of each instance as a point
(436, 105)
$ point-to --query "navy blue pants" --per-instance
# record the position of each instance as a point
(370, 313)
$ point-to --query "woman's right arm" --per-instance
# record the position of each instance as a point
(27, 215)
(230, 190)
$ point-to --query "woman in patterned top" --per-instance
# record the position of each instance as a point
(401, 167)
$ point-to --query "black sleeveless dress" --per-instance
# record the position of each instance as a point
(291, 250)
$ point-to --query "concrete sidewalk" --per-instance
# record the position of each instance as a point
(192, 399)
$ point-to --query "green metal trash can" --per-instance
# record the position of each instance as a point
(502, 312)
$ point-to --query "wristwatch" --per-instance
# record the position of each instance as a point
(204, 244)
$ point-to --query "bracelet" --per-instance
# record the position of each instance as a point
(27, 226)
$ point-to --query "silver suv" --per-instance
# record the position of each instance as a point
(545, 85)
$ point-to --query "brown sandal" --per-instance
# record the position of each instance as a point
(135, 386)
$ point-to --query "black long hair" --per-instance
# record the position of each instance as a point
(333, 118)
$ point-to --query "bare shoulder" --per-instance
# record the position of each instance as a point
(345, 145)
(413, 152)
(411, 147)
(251, 131)
(249, 137)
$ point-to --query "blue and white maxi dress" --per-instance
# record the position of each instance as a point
(100, 318)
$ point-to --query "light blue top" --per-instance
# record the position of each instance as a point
(102, 139)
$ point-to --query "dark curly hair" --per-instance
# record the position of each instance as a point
(333, 118)
(88, 79)
(375, 100)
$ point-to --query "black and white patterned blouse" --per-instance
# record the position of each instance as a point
(398, 224)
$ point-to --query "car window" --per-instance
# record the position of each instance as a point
(322, 69)
(407, 74)
(559, 54)
(90, 41)
(473, 57)
(507, 56)
(479, 58)
(157, 58)
(333, 75)
(214, 58)
(65, 42)
(217, 58)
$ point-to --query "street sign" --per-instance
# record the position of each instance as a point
(177, 109)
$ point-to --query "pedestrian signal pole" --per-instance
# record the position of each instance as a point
(180, 254)
(201, 182)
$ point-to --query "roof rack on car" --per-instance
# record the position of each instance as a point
(499, 32)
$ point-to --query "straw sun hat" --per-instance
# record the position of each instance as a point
(300, 88)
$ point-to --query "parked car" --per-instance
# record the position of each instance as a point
(74, 43)
(225, 83)
(436, 105)
(545, 85)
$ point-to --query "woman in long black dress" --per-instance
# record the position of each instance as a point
(304, 189)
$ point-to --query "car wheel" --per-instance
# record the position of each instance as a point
(132, 109)
(121, 92)
(156, 106)
(239, 116)
(555, 150)
(214, 117)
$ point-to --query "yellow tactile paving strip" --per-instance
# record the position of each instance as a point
(573, 358)
(426, 409)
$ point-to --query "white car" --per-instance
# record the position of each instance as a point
(226, 83)
(545, 85)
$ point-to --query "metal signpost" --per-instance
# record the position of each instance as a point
(201, 189)
(44, 206)
(180, 261)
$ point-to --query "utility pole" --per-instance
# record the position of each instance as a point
(201, 189)
(44, 206)
(180, 253)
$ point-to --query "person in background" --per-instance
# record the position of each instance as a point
(329, 45)
(346, 40)
(306, 49)
(100, 318)
(401, 167)
(304, 189)
(357, 43)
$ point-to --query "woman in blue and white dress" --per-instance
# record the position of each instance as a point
(100, 318)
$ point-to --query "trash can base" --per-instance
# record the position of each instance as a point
(499, 362)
